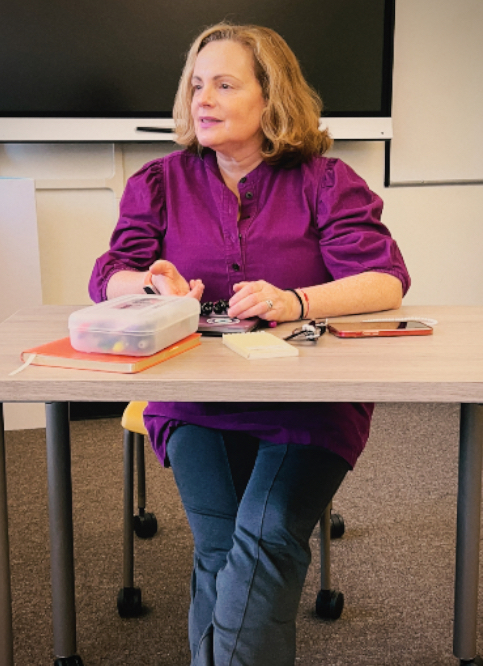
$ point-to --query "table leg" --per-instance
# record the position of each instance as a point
(468, 533)
(6, 642)
(61, 533)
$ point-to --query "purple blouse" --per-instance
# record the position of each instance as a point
(298, 227)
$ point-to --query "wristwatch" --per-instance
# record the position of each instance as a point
(148, 285)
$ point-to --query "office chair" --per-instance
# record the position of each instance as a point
(329, 602)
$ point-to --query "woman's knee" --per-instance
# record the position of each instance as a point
(290, 488)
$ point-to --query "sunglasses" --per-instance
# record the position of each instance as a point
(311, 331)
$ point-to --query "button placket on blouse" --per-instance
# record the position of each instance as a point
(248, 205)
(248, 208)
(233, 257)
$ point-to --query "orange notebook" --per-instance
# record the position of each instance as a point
(61, 354)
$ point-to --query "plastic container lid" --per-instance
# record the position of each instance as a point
(143, 314)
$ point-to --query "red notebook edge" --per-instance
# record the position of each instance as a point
(62, 349)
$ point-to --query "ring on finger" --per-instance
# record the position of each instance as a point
(269, 303)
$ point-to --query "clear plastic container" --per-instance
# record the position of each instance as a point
(133, 325)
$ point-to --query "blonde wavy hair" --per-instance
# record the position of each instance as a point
(290, 119)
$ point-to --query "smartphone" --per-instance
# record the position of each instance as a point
(366, 329)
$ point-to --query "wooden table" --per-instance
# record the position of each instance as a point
(446, 367)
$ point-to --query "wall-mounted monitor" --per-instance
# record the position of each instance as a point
(98, 71)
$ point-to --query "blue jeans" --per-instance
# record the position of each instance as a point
(252, 506)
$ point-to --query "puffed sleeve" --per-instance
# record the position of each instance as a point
(353, 239)
(137, 238)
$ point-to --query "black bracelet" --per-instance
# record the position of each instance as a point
(300, 301)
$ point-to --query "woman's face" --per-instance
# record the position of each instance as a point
(227, 100)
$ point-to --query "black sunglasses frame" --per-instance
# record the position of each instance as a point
(311, 331)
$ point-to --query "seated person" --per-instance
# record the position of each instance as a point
(252, 212)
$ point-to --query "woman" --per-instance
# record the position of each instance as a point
(250, 211)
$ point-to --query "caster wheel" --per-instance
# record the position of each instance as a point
(477, 661)
(129, 602)
(146, 525)
(75, 660)
(337, 527)
(329, 604)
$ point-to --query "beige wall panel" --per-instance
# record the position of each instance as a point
(19, 276)
(74, 229)
(366, 158)
(439, 232)
(56, 160)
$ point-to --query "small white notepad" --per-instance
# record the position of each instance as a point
(258, 345)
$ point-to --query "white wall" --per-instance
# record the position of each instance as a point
(437, 227)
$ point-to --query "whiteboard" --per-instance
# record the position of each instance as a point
(438, 91)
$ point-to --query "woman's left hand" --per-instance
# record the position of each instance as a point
(262, 299)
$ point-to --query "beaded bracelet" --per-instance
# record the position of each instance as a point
(299, 300)
(217, 308)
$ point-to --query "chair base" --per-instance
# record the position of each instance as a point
(75, 660)
(145, 525)
(329, 604)
(337, 526)
(129, 603)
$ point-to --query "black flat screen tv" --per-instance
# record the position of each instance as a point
(98, 71)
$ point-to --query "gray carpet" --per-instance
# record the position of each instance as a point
(395, 564)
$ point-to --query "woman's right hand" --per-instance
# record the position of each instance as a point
(169, 282)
